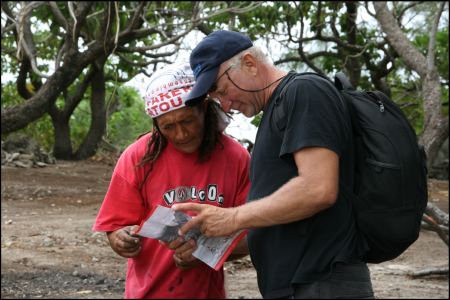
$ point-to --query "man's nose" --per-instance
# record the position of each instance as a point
(181, 133)
(225, 104)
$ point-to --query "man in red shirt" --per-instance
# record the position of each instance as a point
(186, 158)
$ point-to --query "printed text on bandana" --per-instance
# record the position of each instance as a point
(165, 102)
(184, 193)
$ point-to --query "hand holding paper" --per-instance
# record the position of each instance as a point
(165, 223)
(212, 221)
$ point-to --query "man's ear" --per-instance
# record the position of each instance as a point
(249, 63)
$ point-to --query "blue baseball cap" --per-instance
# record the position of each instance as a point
(206, 58)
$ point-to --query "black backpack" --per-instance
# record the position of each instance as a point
(390, 191)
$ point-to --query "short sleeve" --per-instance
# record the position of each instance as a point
(315, 117)
(123, 204)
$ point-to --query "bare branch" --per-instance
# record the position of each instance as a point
(78, 15)
(234, 10)
(10, 51)
(73, 101)
(412, 57)
(25, 36)
(116, 37)
(436, 228)
(287, 59)
(309, 56)
(402, 12)
(339, 42)
(141, 33)
(21, 82)
(432, 42)
(333, 21)
(134, 20)
(145, 52)
(440, 216)
(197, 9)
(308, 61)
(426, 226)
(60, 54)
(72, 14)
(169, 41)
(58, 14)
(319, 24)
(7, 28)
(9, 14)
(366, 5)
(430, 271)
(139, 64)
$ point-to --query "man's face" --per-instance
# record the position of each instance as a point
(230, 97)
(183, 128)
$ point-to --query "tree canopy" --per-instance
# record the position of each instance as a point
(70, 60)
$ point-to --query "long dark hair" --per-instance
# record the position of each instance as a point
(211, 137)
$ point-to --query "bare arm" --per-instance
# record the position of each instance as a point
(313, 190)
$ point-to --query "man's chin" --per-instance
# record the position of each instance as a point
(248, 114)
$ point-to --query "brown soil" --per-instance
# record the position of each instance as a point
(49, 251)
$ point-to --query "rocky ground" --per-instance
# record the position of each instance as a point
(49, 251)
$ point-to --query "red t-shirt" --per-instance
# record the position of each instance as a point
(176, 177)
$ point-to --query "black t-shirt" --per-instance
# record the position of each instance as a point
(313, 115)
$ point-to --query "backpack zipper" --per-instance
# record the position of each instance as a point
(376, 98)
(381, 105)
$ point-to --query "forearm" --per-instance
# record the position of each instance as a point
(296, 200)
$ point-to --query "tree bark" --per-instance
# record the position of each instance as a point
(352, 64)
(60, 118)
(62, 148)
(98, 114)
(435, 125)
(19, 116)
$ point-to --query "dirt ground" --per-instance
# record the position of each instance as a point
(49, 251)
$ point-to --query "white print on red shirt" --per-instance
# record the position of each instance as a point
(184, 193)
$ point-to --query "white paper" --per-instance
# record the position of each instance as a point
(164, 224)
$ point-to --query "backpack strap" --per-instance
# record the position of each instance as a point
(342, 83)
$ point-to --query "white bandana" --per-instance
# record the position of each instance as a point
(167, 89)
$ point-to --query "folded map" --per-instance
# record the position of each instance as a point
(164, 223)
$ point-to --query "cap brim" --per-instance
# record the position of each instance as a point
(202, 85)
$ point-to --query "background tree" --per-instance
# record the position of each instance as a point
(435, 123)
(330, 36)
(88, 44)
(116, 41)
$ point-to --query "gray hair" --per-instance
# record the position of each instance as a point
(255, 51)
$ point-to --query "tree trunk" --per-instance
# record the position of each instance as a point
(352, 64)
(62, 148)
(98, 115)
(20, 116)
(435, 125)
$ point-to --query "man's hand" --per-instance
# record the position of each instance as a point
(124, 242)
(212, 220)
(183, 253)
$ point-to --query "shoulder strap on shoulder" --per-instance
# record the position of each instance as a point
(341, 82)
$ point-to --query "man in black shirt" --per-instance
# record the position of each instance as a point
(303, 241)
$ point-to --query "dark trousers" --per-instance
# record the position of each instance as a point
(347, 281)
